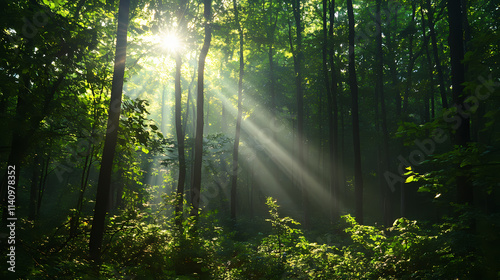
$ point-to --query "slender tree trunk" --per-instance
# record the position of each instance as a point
(326, 81)
(429, 112)
(435, 52)
(188, 101)
(34, 188)
(103, 187)
(234, 177)
(270, 54)
(43, 182)
(296, 7)
(335, 86)
(379, 87)
(331, 92)
(180, 141)
(164, 111)
(178, 121)
(75, 220)
(393, 66)
(198, 146)
(411, 62)
(207, 124)
(462, 135)
(353, 84)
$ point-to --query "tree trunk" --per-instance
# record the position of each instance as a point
(331, 92)
(335, 73)
(270, 54)
(198, 145)
(234, 177)
(353, 84)
(178, 122)
(42, 182)
(411, 62)
(75, 219)
(300, 108)
(103, 186)
(462, 135)
(34, 188)
(379, 87)
(180, 141)
(439, 69)
(429, 112)
(188, 101)
(164, 111)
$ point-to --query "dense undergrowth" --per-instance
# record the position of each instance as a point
(149, 246)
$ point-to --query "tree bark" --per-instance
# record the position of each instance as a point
(331, 92)
(437, 61)
(198, 145)
(180, 141)
(429, 112)
(353, 84)
(462, 135)
(234, 177)
(300, 109)
(336, 84)
(270, 54)
(178, 125)
(411, 61)
(103, 187)
(379, 87)
(34, 188)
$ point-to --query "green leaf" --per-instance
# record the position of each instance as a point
(144, 150)
(410, 179)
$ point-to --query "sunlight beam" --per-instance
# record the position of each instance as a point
(170, 42)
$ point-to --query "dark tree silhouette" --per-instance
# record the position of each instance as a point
(234, 177)
(462, 136)
(104, 183)
(178, 122)
(198, 145)
(353, 84)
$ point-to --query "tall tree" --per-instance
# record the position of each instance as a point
(270, 53)
(331, 92)
(430, 92)
(411, 58)
(178, 120)
(34, 187)
(234, 177)
(435, 52)
(298, 60)
(353, 84)
(379, 88)
(462, 135)
(198, 145)
(334, 134)
(104, 183)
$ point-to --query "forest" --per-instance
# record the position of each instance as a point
(250, 139)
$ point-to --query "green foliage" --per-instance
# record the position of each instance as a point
(135, 246)
(407, 250)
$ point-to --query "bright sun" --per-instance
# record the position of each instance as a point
(170, 42)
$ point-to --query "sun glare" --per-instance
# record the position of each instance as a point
(170, 42)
